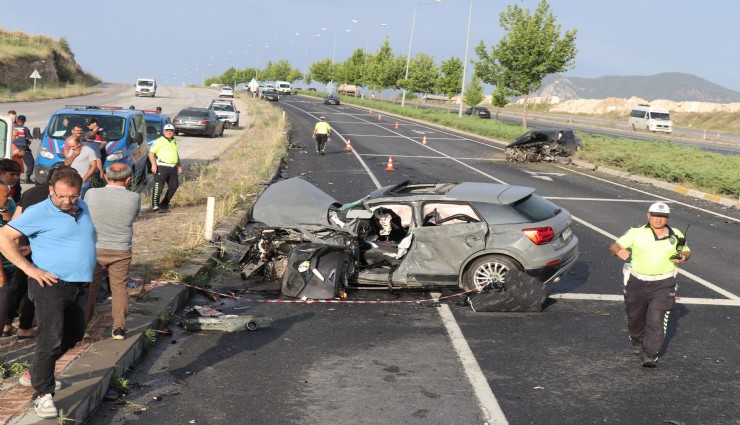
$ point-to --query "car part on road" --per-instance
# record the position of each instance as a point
(207, 319)
(521, 293)
(544, 145)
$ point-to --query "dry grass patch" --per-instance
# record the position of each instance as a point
(46, 93)
(164, 241)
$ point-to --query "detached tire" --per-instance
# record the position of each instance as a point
(522, 293)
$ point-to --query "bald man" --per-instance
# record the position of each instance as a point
(113, 210)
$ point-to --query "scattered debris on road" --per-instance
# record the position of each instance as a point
(208, 319)
(545, 145)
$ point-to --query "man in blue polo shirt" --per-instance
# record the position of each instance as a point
(61, 234)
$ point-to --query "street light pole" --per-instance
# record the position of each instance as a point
(465, 64)
(411, 39)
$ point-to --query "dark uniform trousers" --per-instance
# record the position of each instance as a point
(165, 174)
(321, 141)
(648, 305)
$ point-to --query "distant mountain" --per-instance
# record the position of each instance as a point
(673, 86)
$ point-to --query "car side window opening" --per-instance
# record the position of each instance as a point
(443, 214)
(387, 225)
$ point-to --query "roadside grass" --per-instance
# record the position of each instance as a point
(234, 178)
(691, 167)
(13, 52)
(46, 93)
(684, 165)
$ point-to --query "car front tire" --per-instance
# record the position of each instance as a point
(488, 271)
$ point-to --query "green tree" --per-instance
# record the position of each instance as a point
(423, 74)
(384, 71)
(499, 99)
(450, 80)
(321, 71)
(294, 76)
(352, 68)
(531, 48)
(473, 92)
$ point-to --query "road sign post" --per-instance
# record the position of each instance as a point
(35, 77)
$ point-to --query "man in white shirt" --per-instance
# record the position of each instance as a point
(80, 157)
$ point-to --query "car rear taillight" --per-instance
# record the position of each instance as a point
(204, 122)
(176, 121)
(540, 235)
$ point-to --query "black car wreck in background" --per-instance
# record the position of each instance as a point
(471, 236)
(544, 145)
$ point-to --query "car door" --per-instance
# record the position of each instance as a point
(437, 251)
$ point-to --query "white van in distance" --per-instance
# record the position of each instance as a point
(283, 87)
(651, 119)
(145, 87)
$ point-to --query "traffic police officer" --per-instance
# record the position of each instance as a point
(650, 279)
(321, 132)
(165, 160)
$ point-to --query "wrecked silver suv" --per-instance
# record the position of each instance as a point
(410, 235)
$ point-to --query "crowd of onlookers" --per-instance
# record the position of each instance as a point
(59, 242)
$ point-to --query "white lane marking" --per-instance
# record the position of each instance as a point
(662, 198)
(541, 173)
(620, 298)
(486, 399)
(433, 157)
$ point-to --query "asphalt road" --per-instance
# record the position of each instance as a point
(409, 363)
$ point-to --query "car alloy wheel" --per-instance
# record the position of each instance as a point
(489, 272)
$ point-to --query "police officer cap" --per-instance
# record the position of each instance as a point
(21, 118)
(169, 127)
(659, 209)
(322, 118)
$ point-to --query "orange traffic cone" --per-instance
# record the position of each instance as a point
(396, 126)
(348, 146)
(380, 117)
(371, 112)
(424, 140)
(390, 164)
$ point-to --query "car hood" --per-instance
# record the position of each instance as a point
(293, 202)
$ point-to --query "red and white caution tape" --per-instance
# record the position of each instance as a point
(305, 300)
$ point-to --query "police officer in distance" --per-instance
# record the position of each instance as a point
(650, 279)
(165, 159)
(321, 132)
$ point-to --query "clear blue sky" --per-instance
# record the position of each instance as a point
(180, 41)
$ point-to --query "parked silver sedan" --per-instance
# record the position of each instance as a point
(199, 121)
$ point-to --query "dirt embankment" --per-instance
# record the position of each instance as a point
(21, 55)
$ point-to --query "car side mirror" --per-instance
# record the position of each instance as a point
(36, 133)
